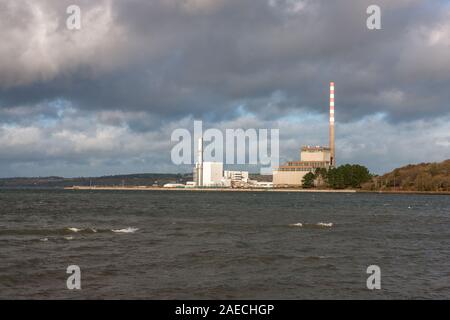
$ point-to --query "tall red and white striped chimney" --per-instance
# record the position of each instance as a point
(332, 149)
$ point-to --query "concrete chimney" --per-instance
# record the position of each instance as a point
(200, 162)
(332, 148)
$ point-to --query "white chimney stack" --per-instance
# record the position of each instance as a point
(332, 148)
(200, 163)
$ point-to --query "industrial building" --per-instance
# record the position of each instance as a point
(211, 174)
(291, 173)
(198, 169)
(236, 175)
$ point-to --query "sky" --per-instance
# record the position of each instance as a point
(105, 99)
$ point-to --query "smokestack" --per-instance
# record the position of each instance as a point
(332, 149)
(200, 162)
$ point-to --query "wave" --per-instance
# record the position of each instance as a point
(315, 257)
(125, 230)
(93, 230)
(312, 225)
(325, 224)
(298, 224)
(63, 232)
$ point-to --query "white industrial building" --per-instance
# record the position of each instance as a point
(292, 172)
(236, 175)
(235, 178)
(207, 174)
(212, 174)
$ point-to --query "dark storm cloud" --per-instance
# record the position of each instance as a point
(175, 58)
(138, 69)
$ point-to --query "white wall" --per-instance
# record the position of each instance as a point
(315, 156)
(236, 175)
(212, 173)
(288, 178)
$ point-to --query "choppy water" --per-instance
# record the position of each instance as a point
(266, 245)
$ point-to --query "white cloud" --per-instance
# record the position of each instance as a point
(40, 47)
(372, 142)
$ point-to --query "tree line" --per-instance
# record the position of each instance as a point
(342, 177)
(419, 177)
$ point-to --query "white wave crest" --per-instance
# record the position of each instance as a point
(43, 239)
(74, 229)
(298, 224)
(125, 230)
(68, 238)
(325, 224)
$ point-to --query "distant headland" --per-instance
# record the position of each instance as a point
(428, 178)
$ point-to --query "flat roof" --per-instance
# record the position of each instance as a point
(305, 164)
(315, 148)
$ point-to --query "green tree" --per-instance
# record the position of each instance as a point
(348, 176)
(335, 178)
(308, 180)
(320, 175)
(359, 175)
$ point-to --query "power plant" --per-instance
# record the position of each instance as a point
(332, 148)
(211, 174)
(311, 158)
(290, 174)
(198, 170)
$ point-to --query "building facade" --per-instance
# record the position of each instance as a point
(292, 173)
(212, 174)
(236, 175)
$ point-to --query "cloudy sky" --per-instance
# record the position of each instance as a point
(105, 99)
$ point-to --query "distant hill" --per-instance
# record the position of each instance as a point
(144, 179)
(141, 179)
(419, 177)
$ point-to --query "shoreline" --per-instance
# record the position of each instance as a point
(112, 188)
(82, 188)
